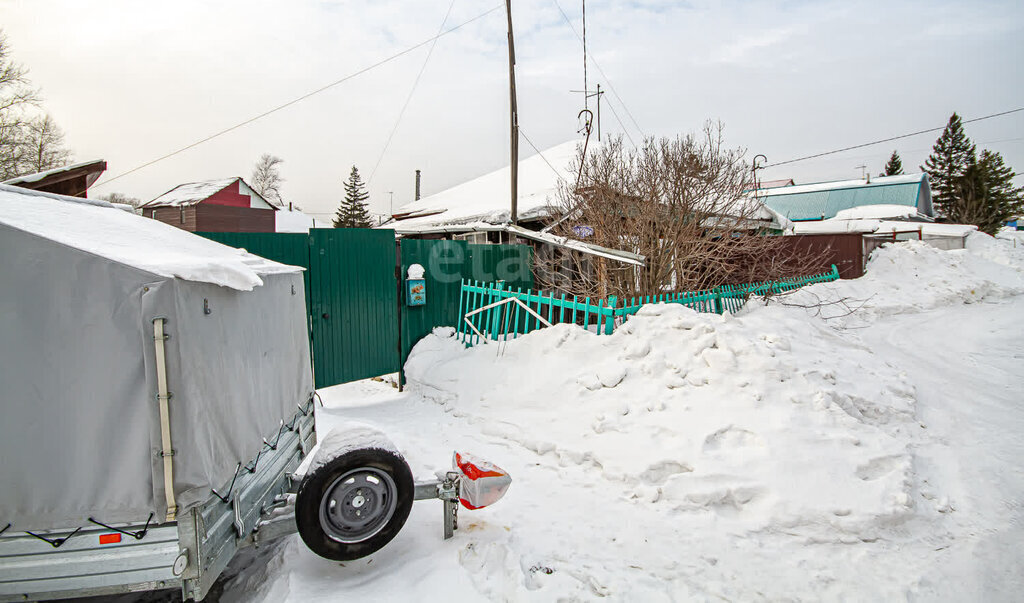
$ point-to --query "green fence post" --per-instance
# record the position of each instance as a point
(717, 293)
(496, 316)
(609, 325)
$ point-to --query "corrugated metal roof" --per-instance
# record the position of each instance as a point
(825, 199)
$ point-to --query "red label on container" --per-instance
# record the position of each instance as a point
(110, 538)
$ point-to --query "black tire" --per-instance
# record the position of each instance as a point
(325, 506)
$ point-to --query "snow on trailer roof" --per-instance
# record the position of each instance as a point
(486, 198)
(99, 228)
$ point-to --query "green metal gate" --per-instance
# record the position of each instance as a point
(353, 304)
(352, 293)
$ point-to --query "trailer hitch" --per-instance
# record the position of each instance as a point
(447, 491)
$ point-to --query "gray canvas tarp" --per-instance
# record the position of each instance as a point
(79, 421)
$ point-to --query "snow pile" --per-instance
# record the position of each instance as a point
(877, 212)
(1011, 234)
(99, 228)
(912, 276)
(737, 419)
(294, 220)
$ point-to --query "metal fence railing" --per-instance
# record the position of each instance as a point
(490, 312)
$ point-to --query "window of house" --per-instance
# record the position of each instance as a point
(472, 237)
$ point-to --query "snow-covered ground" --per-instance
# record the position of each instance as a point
(858, 440)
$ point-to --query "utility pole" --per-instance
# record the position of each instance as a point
(513, 116)
(754, 169)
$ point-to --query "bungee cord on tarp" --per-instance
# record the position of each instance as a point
(140, 534)
(290, 426)
(55, 542)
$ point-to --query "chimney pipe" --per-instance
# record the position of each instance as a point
(417, 185)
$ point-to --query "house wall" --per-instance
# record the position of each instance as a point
(229, 196)
(222, 218)
(846, 251)
(72, 187)
(179, 217)
(255, 199)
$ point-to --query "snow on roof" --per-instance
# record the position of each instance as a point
(581, 246)
(29, 178)
(777, 183)
(293, 220)
(869, 226)
(99, 228)
(191, 193)
(486, 199)
(842, 184)
(877, 212)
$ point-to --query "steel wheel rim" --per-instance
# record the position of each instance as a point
(357, 505)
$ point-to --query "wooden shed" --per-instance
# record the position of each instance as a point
(71, 180)
(213, 206)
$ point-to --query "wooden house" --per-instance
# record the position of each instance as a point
(213, 206)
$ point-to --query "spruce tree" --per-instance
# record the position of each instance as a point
(985, 195)
(895, 166)
(952, 153)
(353, 213)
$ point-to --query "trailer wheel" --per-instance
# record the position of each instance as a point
(354, 504)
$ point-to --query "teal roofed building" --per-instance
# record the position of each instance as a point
(824, 200)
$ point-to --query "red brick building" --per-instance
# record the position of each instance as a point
(214, 206)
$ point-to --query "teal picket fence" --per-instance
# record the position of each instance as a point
(490, 311)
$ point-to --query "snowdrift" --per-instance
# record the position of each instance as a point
(913, 277)
(745, 418)
(771, 420)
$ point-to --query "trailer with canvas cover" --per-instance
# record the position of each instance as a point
(158, 402)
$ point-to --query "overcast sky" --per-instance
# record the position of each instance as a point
(130, 81)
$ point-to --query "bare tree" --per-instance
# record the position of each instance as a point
(122, 199)
(683, 203)
(29, 142)
(17, 97)
(266, 178)
(43, 146)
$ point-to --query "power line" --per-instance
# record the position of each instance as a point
(624, 130)
(530, 142)
(603, 74)
(411, 92)
(868, 144)
(300, 98)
